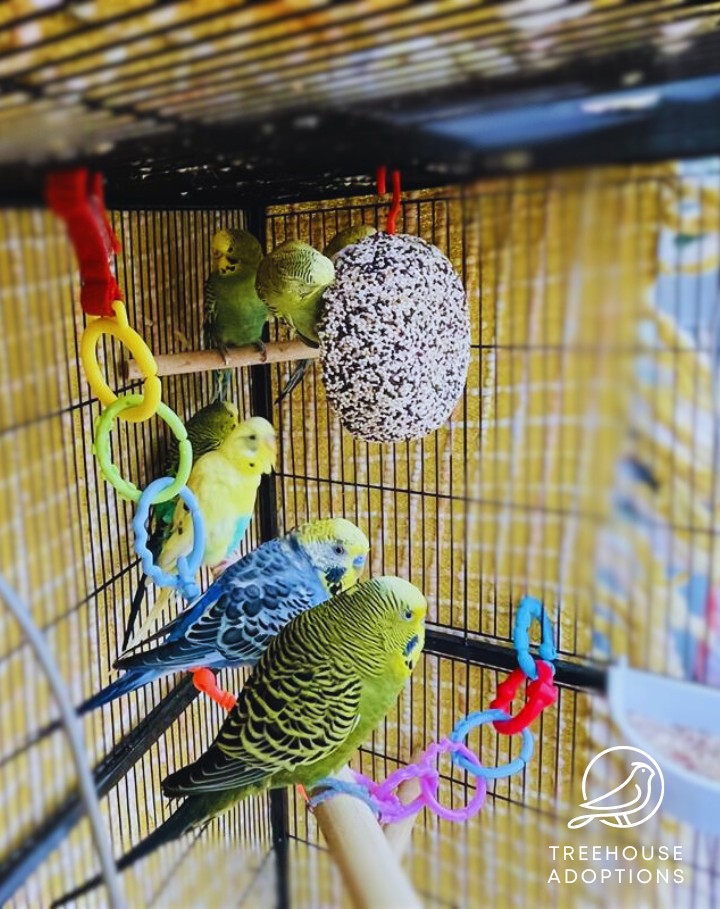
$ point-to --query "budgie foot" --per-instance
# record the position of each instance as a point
(261, 346)
(222, 349)
(204, 680)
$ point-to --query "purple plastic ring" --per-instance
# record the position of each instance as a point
(392, 808)
(429, 793)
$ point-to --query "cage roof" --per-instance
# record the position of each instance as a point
(187, 101)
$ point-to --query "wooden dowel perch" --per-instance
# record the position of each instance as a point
(399, 834)
(370, 870)
(208, 360)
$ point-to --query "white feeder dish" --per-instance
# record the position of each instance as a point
(689, 796)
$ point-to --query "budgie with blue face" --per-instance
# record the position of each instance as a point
(225, 483)
(232, 623)
(321, 687)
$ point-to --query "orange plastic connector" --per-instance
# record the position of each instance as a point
(204, 680)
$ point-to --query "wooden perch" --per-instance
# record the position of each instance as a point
(399, 834)
(208, 360)
(370, 869)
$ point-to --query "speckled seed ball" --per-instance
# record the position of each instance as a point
(394, 338)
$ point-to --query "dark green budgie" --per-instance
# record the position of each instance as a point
(316, 694)
(234, 313)
(207, 430)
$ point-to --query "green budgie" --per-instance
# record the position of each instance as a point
(234, 314)
(291, 281)
(316, 694)
(206, 429)
(234, 620)
(348, 237)
(225, 483)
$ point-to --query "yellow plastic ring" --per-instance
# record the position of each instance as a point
(120, 329)
(101, 449)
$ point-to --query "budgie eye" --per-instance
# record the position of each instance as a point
(408, 614)
(253, 437)
(339, 550)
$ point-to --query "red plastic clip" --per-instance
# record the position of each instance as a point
(381, 179)
(204, 680)
(96, 197)
(77, 198)
(541, 692)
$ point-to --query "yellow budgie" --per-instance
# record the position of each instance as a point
(225, 483)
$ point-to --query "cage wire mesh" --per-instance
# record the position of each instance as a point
(577, 306)
(74, 535)
(564, 472)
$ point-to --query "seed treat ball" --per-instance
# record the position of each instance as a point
(394, 338)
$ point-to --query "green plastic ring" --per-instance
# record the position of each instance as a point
(101, 449)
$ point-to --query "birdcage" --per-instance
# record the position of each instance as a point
(563, 157)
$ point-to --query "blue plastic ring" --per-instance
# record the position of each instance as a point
(187, 566)
(331, 787)
(530, 609)
(480, 718)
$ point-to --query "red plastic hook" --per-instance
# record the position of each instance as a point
(77, 197)
(381, 178)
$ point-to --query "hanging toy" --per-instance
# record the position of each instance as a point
(76, 197)
(395, 335)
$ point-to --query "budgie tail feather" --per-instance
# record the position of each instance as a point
(125, 684)
(160, 603)
(298, 374)
(222, 379)
(154, 545)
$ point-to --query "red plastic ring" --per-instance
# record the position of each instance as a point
(541, 692)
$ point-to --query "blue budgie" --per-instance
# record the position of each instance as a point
(232, 623)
